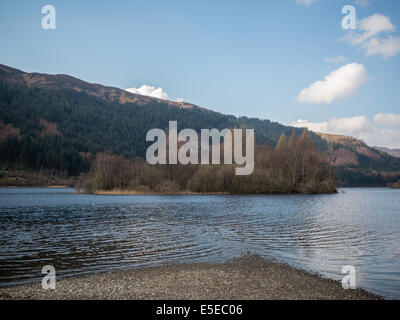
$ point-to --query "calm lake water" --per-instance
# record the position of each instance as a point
(80, 234)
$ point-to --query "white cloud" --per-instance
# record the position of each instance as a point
(368, 28)
(150, 91)
(179, 99)
(305, 2)
(338, 59)
(358, 127)
(376, 24)
(367, 36)
(385, 137)
(388, 47)
(362, 3)
(387, 119)
(340, 83)
(313, 126)
(351, 126)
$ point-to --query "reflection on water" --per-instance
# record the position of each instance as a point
(86, 233)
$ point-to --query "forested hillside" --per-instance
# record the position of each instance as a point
(59, 129)
(58, 123)
(357, 164)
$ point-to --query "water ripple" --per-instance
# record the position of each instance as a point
(79, 234)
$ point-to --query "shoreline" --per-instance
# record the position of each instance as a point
(133, 192)
(36, 187)
(250, 277)
(177, 193)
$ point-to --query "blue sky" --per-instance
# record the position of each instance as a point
(249, 58)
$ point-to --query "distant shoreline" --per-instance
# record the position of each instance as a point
(247, 278)
(130, 192)
(133, 192)
(48, 187)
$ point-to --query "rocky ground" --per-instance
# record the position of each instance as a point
(246, 278)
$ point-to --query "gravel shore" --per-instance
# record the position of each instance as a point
(247, 278)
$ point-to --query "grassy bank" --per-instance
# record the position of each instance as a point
(180, 192)
(247, 278)
(134, 192)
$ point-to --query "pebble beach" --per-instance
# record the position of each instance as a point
(247, 278)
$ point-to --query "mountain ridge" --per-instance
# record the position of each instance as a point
(58, 121)
(393, 152)
(64, 81)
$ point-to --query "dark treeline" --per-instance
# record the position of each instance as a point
(294, 166)
(51, 153)
(370, 172)
(355, 177)
(378, 172)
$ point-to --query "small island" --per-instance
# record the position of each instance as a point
(295, 165)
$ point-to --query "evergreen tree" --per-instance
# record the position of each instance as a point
(282, 143)
(305, 143)
(292, 140)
